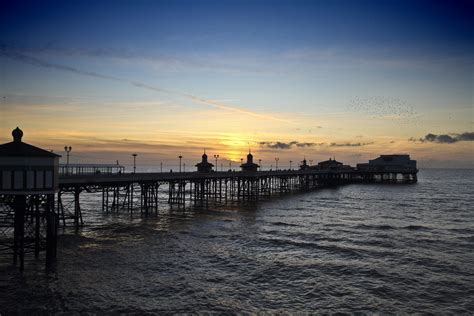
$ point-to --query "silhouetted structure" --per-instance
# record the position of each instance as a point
(29, 180)
(132, 191)
(249, 166)
(390, 167)
(204, 166)
(90, 168)
(331, 164)
(304, 165)
(388, 163)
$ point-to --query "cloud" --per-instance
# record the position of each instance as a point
(468, 136)
(445, 138)
(349, 144)
(278, 145)
(199, 100)
(306, 144)
(288, 145)
(283, 145)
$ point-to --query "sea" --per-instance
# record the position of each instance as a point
(355, 249)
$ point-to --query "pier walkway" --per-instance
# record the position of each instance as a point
(132, 192)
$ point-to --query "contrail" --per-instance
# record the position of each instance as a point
(41, 63)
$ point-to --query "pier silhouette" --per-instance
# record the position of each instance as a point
(38, 194)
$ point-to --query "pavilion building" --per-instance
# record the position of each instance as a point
(204, 166)
(249, 166)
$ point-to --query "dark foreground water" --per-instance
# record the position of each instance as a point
(358, 248)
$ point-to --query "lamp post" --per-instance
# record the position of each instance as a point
(68, 150)
(216, 157)
(180, 157)
(161, 167)
(276, 163)
(134, 162)
(260, 164)
(290, 163)
(230, 165)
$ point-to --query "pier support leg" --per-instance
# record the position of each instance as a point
(19, 231)
(51, 231)
(37, 227)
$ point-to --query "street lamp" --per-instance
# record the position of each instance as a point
(230, 165)
(276, 163)
(68, 150)
(260, 164)
(290, 163)
(216, 156)
(180, 157)
(134, 162)
(161, 167)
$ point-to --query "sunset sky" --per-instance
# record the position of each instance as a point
(288, 79)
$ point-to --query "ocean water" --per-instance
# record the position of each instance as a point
(356, 248)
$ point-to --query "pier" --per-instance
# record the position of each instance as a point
(139, 192)
(38, 195)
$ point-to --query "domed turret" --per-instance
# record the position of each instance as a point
(204, 165)
(304, 164)
(249, 157)
(17, 135)
(249, 166)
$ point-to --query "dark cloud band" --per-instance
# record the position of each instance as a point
(446, 138)
(288, 145)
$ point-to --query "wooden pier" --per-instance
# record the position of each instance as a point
(37, 194)
(139, 192)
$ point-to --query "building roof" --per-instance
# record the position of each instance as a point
(395, 155)
(332, 161)
(246, 164)
(20, 149)
(204, 164)
(17, 148)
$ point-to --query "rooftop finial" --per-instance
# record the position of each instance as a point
(17, 135)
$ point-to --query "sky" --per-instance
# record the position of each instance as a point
(285, 79)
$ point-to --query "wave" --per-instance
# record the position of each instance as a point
(416, 227)
(345, 251)
(375, 227)
(284, 224)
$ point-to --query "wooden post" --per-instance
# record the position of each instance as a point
(51, 231)
(37, 226)
(19, 230)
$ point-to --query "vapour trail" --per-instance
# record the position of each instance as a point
(41, 63)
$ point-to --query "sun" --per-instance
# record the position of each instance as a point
(234, 147)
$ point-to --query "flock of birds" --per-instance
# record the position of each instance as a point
(393, 109)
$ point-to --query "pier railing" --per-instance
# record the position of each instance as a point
(141, 191)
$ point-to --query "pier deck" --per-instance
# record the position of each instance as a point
(140, 191)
